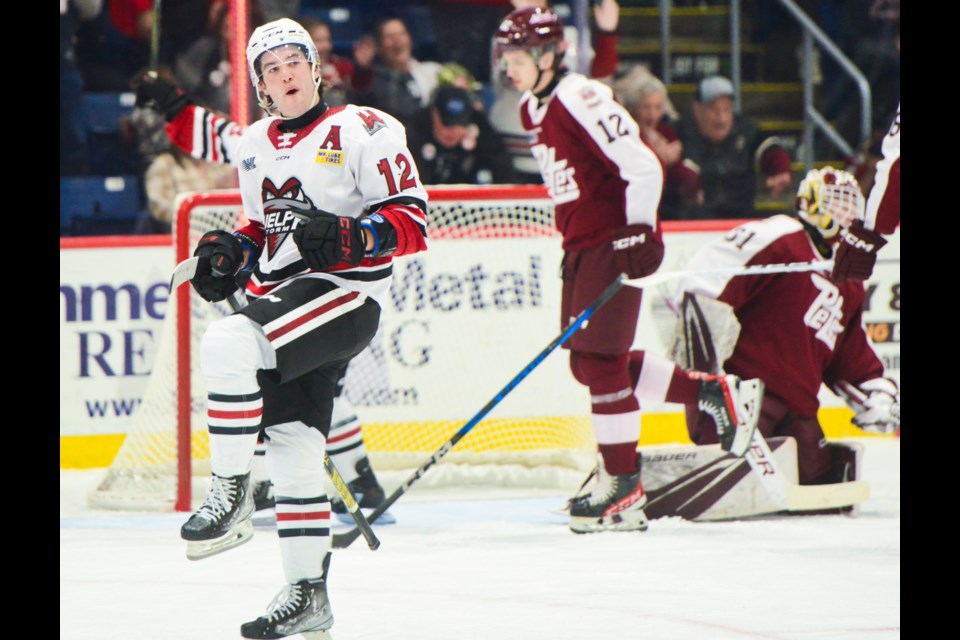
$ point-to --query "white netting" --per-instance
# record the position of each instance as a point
(144, 474)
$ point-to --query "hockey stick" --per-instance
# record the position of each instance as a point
(343, 540)
(236, 302)
(758, 269)
(155, 39)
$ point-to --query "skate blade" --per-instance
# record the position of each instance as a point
(749, 400)
(198, 550)
(385, 518)
(317, 635)
(624, 521)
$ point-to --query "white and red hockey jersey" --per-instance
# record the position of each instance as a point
(798, 330)
(349, 161)
(599, 173)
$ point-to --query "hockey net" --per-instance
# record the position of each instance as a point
(463, 319)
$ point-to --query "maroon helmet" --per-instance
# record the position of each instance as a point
(534, 29)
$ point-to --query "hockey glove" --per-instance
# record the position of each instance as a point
(221, 256)
(637, 250)
(856, 253)
(160, 95)
(876, 404)
(326, 240)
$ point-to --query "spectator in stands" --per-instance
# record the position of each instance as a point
(645, 96)
(504, 115)
(402, 85)
(343, 78)
(727, 148)
(453, 143)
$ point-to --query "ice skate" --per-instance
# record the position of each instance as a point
(734, 405)
(615, 504)
(367, 491)
(223, 520)
(302, 608)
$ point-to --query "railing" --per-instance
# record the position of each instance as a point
(812, 118)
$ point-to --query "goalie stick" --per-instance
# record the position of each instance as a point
(182, 273)
(343, 540)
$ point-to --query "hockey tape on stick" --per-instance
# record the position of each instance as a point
(351, 503)
(343, 540)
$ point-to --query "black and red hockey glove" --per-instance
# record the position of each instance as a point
(326, 240)
(221, 257)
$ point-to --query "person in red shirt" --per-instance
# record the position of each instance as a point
(797, 330)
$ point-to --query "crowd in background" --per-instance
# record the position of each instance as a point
(430, 65)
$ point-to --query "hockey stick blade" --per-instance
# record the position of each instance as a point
(184, 272)
(791, 496)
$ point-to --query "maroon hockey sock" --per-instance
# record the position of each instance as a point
(619, 458)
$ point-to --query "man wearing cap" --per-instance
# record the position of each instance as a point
(728, 149)
(453, 142)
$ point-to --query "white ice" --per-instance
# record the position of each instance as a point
(475, 566)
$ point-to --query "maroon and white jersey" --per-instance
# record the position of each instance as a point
(350, 161)
(599, 173)
(883, 204)
(798, 330)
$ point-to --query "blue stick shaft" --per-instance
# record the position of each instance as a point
(343, 540)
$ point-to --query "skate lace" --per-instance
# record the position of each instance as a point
(715, 407)
(286, 603)
(606, 488)
(219, 499)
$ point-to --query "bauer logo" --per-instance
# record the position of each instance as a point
(328, 156)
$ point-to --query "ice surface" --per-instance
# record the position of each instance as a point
(479, 565)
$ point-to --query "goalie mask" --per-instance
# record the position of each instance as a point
(273, 35)
(830, 199)
(532, 29)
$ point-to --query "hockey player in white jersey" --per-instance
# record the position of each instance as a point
(207, 136)
(332, 196)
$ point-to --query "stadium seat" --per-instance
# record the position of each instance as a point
(99, 205)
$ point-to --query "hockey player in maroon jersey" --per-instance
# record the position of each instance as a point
(858, 246)
(207, 136)
(797, 330)
(606, 186)
(332, 197)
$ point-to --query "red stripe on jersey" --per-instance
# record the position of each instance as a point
(344, 436)
(309, 515)
(319, 311)
(235, 414)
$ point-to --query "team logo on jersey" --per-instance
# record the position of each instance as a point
(285, 140)
(328, 156)
(249, 164)
(278, 221)
(371, 121)
(557, 176)
(826, 312)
